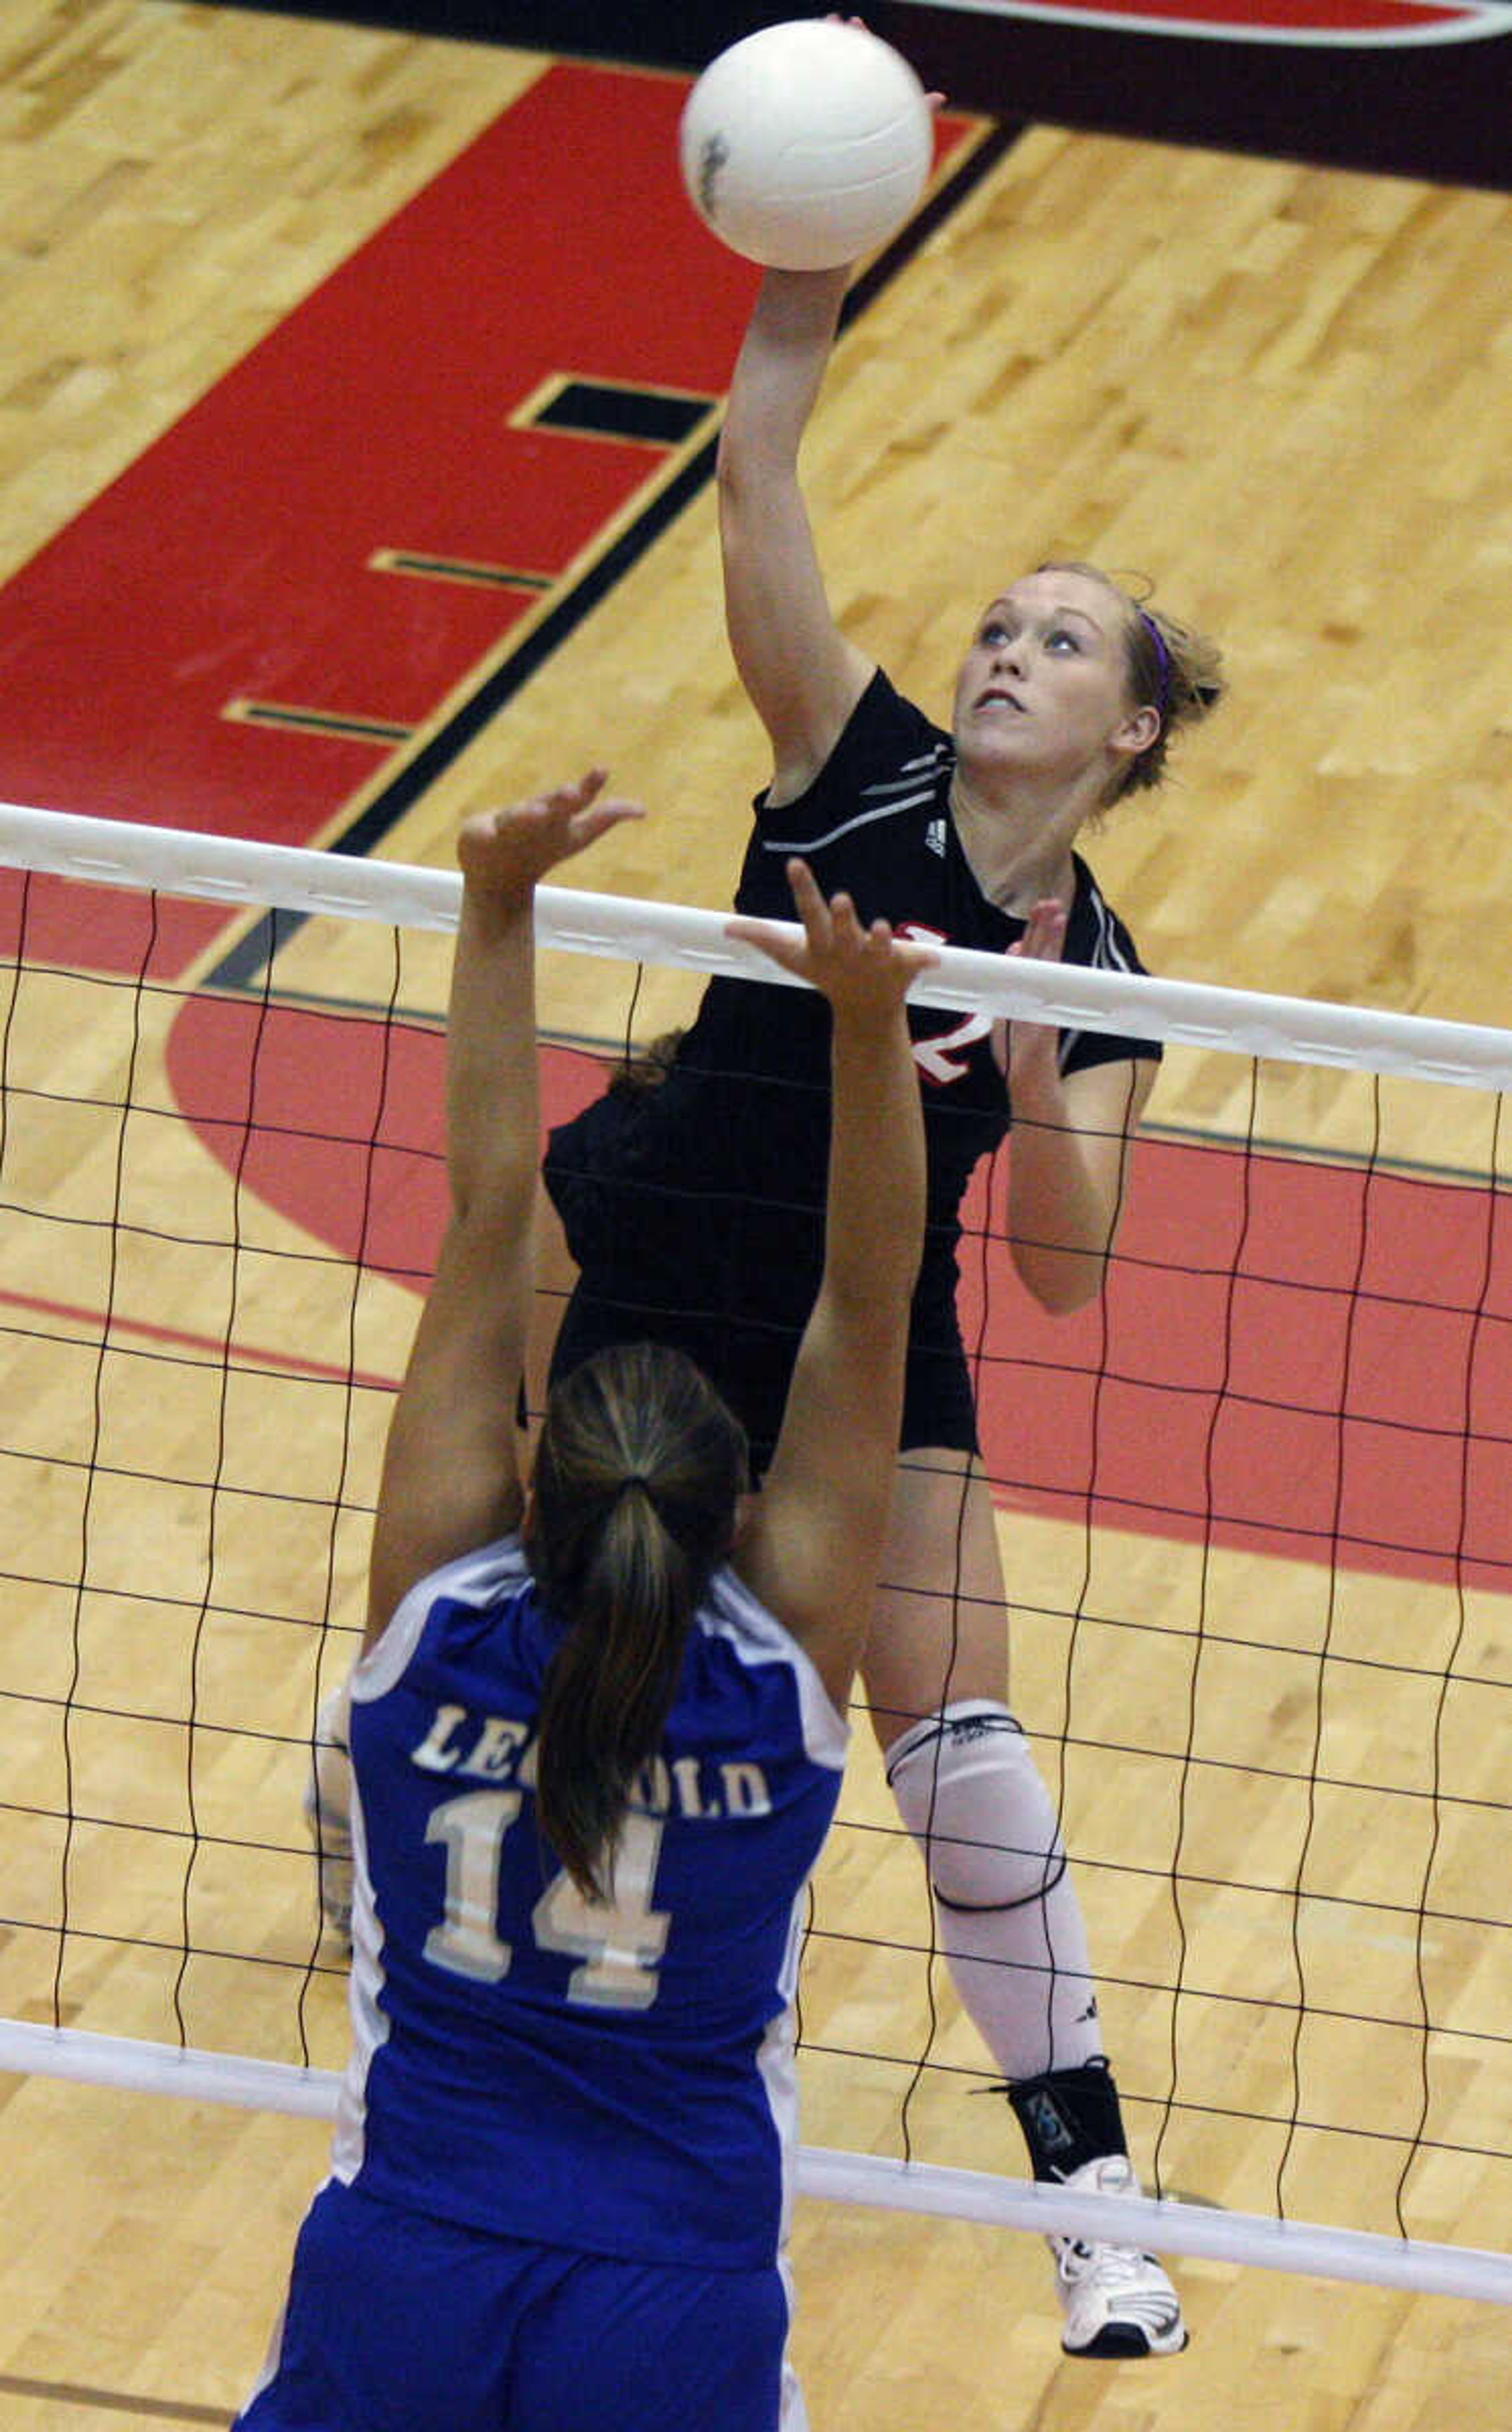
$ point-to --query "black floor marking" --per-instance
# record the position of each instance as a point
(654, 417)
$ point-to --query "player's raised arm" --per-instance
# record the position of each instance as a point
(450, 1477)
(814, 1545)
(803, 675)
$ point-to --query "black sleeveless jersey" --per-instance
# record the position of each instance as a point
(876, 822)
(695, 1207)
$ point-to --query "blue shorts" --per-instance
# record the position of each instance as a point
(397, 2323)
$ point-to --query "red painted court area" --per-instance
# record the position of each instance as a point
(1303, 1359)
(1307, 1359)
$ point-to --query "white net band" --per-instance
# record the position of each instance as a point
(1166, 2226)
(224, 869)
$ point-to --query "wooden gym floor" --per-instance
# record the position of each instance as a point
(1278, 391)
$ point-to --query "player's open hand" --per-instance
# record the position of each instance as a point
(1029, 1051)
(508, 852)
(863, 970)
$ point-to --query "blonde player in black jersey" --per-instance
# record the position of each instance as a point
(1066, 700)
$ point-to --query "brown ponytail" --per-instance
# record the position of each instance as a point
(637, 1475)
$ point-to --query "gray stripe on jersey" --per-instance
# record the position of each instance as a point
(862, 820)
(910, 775)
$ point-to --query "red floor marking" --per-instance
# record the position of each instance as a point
(221, 1351)
(1259, 1365)
(231, 560)
(345, 1134)
(1267, 1397)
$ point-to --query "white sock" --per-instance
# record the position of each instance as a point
(1008, 1918)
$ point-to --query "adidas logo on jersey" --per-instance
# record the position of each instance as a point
(934, 836)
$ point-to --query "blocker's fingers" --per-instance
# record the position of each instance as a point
(580, 794)
(809, 900)
(842, 917)
(768, 938)
(594, 819)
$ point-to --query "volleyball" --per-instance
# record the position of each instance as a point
(804, 145)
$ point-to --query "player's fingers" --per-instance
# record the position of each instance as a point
(619, 806)
(766, 936)
(847, 928)
(597, 819)
(1044, 935)
(563, 803)
(907, 963)
(815, 914)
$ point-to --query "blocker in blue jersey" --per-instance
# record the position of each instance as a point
(597, 1734)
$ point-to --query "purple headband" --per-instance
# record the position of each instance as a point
(1162, 658)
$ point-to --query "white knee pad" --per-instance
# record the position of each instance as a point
(969, 1791)
(1009, 1923)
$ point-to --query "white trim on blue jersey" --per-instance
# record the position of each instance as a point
(475, 1579)
(730, 1610)
(472, 1578)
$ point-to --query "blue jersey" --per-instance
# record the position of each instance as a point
(617, 2079)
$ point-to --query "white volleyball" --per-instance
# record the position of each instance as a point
(806, 145)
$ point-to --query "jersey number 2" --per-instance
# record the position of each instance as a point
(617, 1943)
(946, 1056)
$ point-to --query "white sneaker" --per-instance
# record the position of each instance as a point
(328, 1814)
(1116, 2301)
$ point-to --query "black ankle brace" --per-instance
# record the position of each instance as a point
(1069, 2117)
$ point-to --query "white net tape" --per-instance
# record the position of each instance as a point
(224, 869)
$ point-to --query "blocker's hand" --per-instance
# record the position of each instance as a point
(865, 973)
(507, 853)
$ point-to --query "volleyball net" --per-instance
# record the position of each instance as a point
(1256, 1508)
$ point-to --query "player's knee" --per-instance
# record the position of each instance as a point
(968, 1789)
